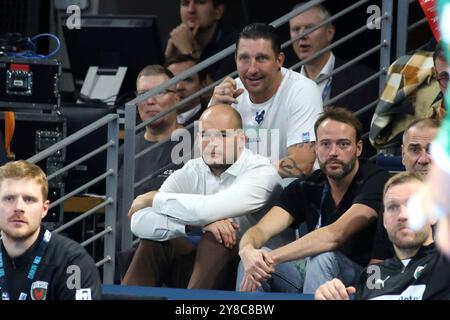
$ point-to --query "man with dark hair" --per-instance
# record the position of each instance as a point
(36, 264)
(339, 204)
(320, 68)
(225, 191)
(201, 34)
(440, 71)
(193, 109)
(416, 272)
(278, 106)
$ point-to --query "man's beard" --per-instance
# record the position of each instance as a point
(346, 168)
(415, 243)
(219, 167)
(20, 236)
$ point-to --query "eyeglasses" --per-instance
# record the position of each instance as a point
(158, 95)
(443, 78)
(218, 134)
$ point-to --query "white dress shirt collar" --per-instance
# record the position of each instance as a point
(326, 70)
(324, 85)
(182, 118)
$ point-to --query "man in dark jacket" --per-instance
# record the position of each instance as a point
(320, 68)
(417, 272)
(34, 263)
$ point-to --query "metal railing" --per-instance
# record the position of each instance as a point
(110, 179)
(383, 48)
(131, 128)
(403, 29)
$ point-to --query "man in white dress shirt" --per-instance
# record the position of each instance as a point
(321, 68)
(226, 190)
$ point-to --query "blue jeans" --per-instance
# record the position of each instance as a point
(293, 277)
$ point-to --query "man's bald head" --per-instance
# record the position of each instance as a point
(417, 139)
(223, 113)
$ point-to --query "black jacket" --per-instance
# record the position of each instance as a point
(66, 272)
(223, 37)
(425, 277)
(361, 97)
(358, 99)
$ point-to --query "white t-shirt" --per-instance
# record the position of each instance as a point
(182, 118)
(285, 119)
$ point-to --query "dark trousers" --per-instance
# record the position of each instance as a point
(177, 263)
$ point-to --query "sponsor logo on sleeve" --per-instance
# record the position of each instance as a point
(305, 137)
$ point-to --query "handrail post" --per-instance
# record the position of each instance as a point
(402, 27)
(386, 35)
(128, 174)
(111, 208)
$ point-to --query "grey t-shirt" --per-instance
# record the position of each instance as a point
(156, 163)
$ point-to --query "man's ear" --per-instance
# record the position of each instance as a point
(45, 209)
(280, 60)
(359, 148)
(207, 81)
(384, 216)
(403, 154)
(330, 33)
(218, 11)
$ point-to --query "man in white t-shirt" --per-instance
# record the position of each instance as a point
(278, 106)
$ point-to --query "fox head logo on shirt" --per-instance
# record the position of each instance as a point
(260, 116)
(39, 290)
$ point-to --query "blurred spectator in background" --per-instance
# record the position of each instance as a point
(193, 109)
(157, 164)
(201, 34)
(440, 71)
(324, 64)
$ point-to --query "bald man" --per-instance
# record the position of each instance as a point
(225, 191)
(416, 144)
